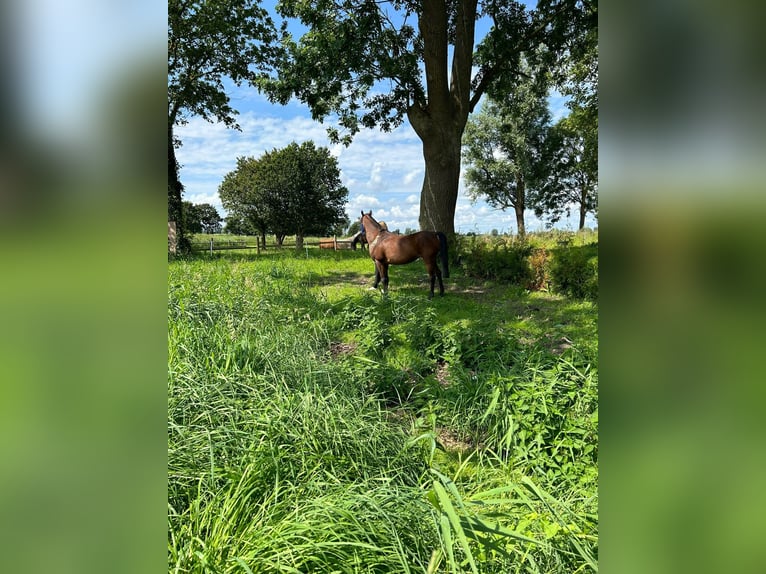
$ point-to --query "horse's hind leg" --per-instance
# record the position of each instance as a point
(433, 273)
(384, 274)
(377, 276)
(441, 283)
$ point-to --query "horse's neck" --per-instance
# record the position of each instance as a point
(375, 229)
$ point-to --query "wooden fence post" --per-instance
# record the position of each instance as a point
(211, 246)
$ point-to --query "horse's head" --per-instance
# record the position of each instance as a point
(372, 224)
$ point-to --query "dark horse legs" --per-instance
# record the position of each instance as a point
(381, 273)
(433, 273)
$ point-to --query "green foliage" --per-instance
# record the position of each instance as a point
(504, 145)
(207, 41)
(574, 271)
(350, 49)
(572, 152)
(558, 261)
(498, 258)
(200, 218)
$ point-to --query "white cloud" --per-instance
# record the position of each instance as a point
(376, 180)
(413, 176)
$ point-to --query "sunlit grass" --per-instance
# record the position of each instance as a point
(317, 426)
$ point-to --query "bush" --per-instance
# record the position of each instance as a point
(574, 271)
(497, 258)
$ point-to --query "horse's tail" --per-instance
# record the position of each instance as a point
(443, 251)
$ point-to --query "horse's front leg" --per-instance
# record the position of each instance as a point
(377, 275)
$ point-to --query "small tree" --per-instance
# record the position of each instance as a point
(573, 157)
(209, 219)
(504, 147)
(200, 218)
(295, 190)
(237, 226)
(246, 203)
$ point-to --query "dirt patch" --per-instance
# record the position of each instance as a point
(451, 441)
(338, 349)
(442, 374)
(560, 345)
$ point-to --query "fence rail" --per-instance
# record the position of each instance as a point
(227, 244)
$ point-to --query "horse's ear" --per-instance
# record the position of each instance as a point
(362, 213)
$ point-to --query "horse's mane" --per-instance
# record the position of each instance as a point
(382, 224)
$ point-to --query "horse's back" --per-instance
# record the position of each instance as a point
(402, 249)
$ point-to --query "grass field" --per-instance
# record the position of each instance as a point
(316, 426)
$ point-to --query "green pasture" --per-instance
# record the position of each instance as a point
(317, 426)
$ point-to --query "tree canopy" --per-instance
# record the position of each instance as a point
(371, 63)
(209, 40)
(200, 218)
(293, 190)
(573, 177)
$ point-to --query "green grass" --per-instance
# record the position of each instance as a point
(316, 426)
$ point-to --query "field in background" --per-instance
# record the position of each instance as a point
(316, 426)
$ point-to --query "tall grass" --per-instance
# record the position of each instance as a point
(314, 426)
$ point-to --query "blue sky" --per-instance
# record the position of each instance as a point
(382, 171)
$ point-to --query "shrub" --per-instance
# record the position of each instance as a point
(539, 270)
(574, 271)
(497, 258)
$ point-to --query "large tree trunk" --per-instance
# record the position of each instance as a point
(520, 221)
(298, 241)
(438, 198)
(440, 121)
(175, 190)
(583, 208)
(520, 205)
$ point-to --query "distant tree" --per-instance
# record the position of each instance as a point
(573, 145)
(238, 226)
(190, 220)
(354, 228)
(573, 157)
(504, 147)
(292, 191)
(209, 218)
(247, 204)
(200, 218)
(339, 229)
(207, 41)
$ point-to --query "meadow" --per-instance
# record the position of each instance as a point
(317, 426)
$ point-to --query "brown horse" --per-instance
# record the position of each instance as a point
(389, 248)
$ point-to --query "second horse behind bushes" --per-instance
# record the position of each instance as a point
(389, 248)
